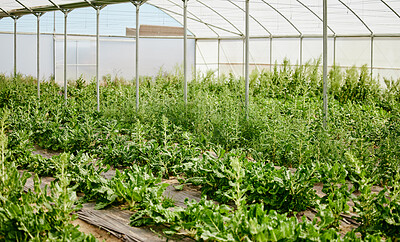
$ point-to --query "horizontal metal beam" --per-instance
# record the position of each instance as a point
(309, 36)
(306, 36)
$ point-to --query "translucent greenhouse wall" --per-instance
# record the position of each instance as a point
(344, 51)
(26, 54)
(117, 56)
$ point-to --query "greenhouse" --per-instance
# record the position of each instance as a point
(200, 120)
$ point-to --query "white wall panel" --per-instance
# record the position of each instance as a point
(207, 55)
(353, 51)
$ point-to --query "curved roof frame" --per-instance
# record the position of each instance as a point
(252, 17)
(316, 15)
(194, 15)
(358, 17)
(223, 17)
(191, 18)
(29, 9)
(387, 5)
(53, 6)
(6, 12)
(169, 13)
(283, 16)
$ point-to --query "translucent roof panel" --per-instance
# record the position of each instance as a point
(9, 5)
(270, 15)
(41, 3)
(377, 16)
(226, 18)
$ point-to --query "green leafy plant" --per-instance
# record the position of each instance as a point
(136, 187)
(35, 215)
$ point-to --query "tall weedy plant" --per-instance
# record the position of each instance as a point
(3, 141)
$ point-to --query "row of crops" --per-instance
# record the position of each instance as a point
(211, 144)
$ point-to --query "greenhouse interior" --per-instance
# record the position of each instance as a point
(200, 120)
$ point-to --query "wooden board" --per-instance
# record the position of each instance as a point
(116, 222)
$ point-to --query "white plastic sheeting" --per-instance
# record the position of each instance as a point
(117, 56)
(344, 52)
(26, 54)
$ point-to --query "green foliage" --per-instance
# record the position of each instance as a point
(205, 220)
(335, 202)
(35, 215)
(135, 187)
(354, 85)
(168, 137)
(231, 176)
(379, 212)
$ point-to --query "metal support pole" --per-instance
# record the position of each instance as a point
(15, 46)
(372, 57)
(219, 53)
(270, 53)
(76, 59)
(325, 61)
(244, 57)
(334, 50)
(97, 8)
(54, 45)
(247, 56)
(301, 51)
(195, 60)
(137, 55)
(38, 55)
(97, 57)
(185, 74)
(65, 55)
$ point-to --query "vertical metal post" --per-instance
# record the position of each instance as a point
(65, 54)
(137, 55)
(372, 56)
(301, 50)
(97, 57)
(325, 61)
(334, 50)
(219, 53)
(244, 57)
(76, 59)
(54, 45)
(185, 74)
(38, 55)
(270, 53)
(247, 56)
(195, 59)
(15, 46)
